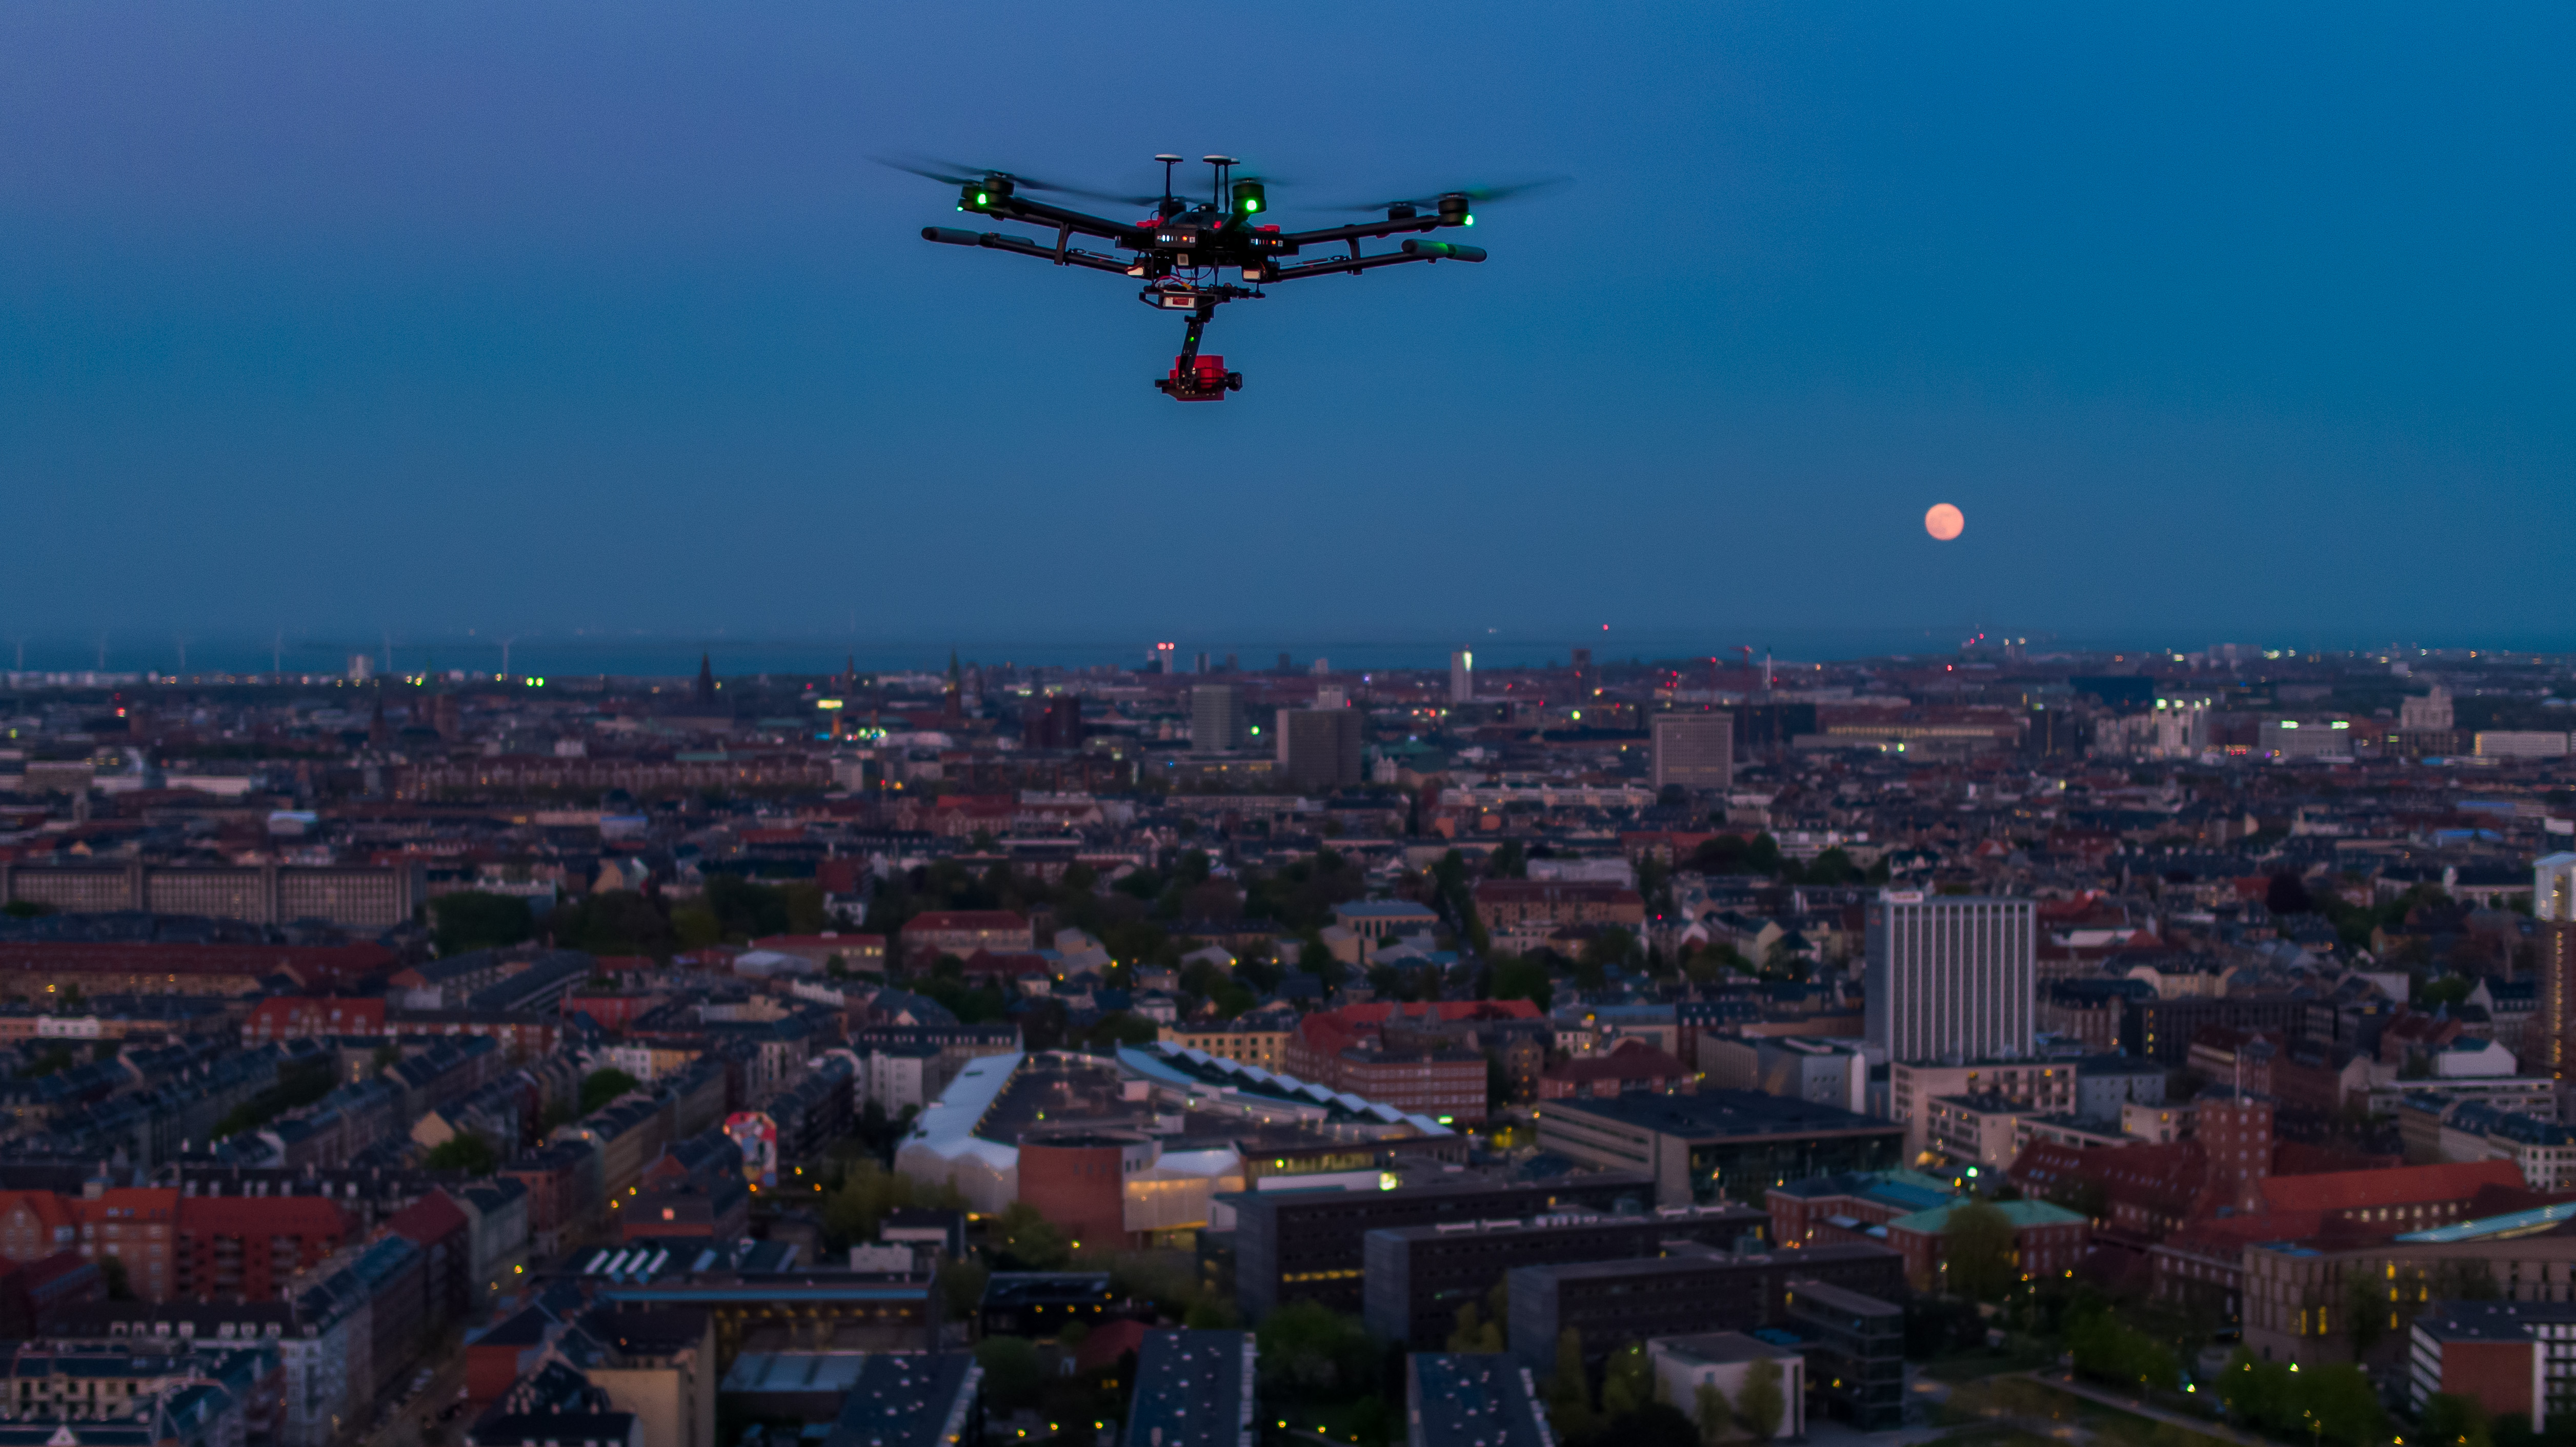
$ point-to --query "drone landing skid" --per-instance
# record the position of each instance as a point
(1199, 379)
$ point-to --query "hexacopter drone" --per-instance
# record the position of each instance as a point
(1182, 248)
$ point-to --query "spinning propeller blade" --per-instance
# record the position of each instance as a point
(957, 174)
(1480, 195)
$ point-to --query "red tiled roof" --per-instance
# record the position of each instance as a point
(1631, 1060)
(260, 1217)
(311, 964)
(2399, 1186)
(428, 1219)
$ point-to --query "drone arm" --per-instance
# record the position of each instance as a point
(1364, 230)
(1021, 208)
(1353, 265)
(1021, 245)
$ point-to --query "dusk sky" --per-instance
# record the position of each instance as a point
(2218, 322)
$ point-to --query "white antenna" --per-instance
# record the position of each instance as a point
(276, 653)
(102, 652)
(182, 640)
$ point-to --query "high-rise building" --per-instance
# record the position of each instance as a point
(2553, 906)
(1694, 750)
(1058, 725)
(1462, 677)
(1319, 748)
(1217, 722)
(1583, 684)
(1950, 975)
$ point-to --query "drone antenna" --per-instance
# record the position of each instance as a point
(1169, 161)
(1220, 162)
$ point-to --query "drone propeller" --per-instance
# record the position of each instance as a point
(957, 174)
(1479, 195)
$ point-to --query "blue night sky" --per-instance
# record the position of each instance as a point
(2220, 322)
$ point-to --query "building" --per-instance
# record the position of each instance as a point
(2513, 1358)
(1686, 1291)
(1319, 748)
(1855, 1349)
(1725, 1360)
(1310, 1245)
(1824, 1071)
(1950, 975)
(1718, 1145)
(1253, 1044)
(2553, 908)
(961, 932)
(905, 1399)
(2036, 1087)
(1453, 1400)
(1694, 750)
(358, 897)
(1193, 1389)
(1218, 723)
(1462, 677)
(1417, 1277)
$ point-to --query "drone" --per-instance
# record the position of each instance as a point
(1182, 249)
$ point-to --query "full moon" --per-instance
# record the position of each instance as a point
(1944, 521)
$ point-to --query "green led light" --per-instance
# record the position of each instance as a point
(1250, 204)
(1471, 220)
(983, 198)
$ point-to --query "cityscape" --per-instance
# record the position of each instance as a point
(1830, 726)
(1237, 1050)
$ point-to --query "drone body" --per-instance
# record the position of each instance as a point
(1182, 251)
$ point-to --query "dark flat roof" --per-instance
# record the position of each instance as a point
(1193, 1389)
(1476, 1401)
(1720, 1113)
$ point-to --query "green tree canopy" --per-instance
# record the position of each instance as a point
(1977, 1251)
(474, 920)
(466, 1151)
(600, 1087)
(1759, 1403)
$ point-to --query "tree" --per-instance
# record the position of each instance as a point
(1569, 1390)
(1027, 1241)
(600, 1087)
(1710, 1413)
(1013, 1375)
(1759, 1403)
(1519, 978)
(474, 920)
(612, 922)
(1977, 1251)
(2452, 1419)
(2287, 894)
(466, 1152)
(1627, 1382)
(1656, 1424)
(961, 1286)
(1474, 1333)
(2343, 1405)
(1308, 1349)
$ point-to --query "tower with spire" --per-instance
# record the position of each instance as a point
(704, 695)
(954, 711)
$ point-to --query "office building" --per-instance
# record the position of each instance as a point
(1307, 1245)
(1418, 1276)
(1855, 1349)
(1687, 1290)
(1193, 1389)
(1719, 1145)
(1694, 750)
(2553, 906)
(1453, 1400)
(1217, 721)
(2513, 1358)
(1319, 748)
(1725, 1360)
(1950, 975)
(1462, 677)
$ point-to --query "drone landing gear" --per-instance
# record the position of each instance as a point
(1194, 378)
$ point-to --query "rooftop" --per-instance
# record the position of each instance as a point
(1476, 1401)
(1716, 1114)
(1193, 1389)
